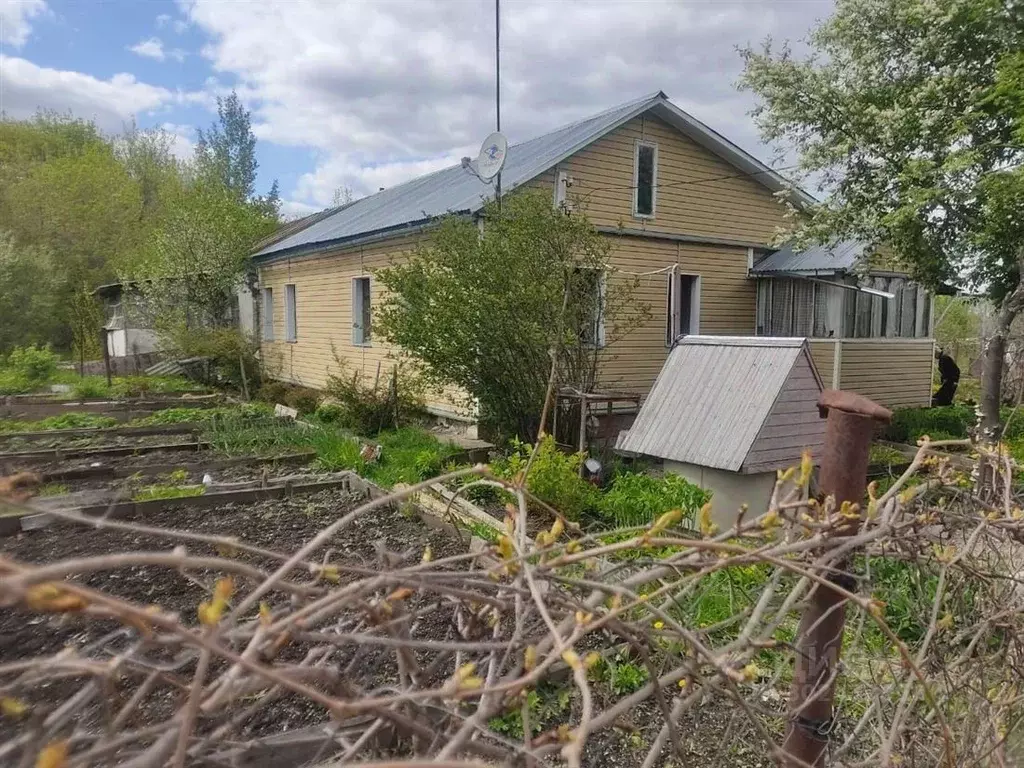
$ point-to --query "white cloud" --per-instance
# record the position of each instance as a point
(295, 209)
(15, 18)
(162, 20)
(391, 87)
(183, 146)
(153, 48)
(26, 88)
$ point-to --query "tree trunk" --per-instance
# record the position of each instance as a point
(992, 381)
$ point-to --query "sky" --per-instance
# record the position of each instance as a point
(363, 94)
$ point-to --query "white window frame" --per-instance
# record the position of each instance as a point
(636, 179)
(268, 314)
(672, 329)
(361, 337)
(291, 331)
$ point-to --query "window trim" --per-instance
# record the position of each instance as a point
(291, 325)
(268, 314)
(365, 334)
(672, 330)
(637, 144)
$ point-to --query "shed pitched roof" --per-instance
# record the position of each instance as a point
(712, 397)
(454, 190)
(828, 258)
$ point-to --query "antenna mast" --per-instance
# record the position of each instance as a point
(497, 87)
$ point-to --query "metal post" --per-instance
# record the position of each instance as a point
(497, 89)
(851, 425)
(106, 353)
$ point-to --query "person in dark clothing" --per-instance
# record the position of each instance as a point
(949, 377)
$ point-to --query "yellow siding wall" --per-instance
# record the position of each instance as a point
(823, 355)
(323, 300)
(698, 194)
(634, 355)
(895, 373)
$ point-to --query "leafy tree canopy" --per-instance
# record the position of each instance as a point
(910, 113)
(909, 110)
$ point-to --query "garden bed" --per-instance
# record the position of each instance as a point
(279, 524)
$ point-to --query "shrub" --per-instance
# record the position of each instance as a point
(230, 351)
(554, 476)
(90, 386)
(909, 424)
(639, 499)
(273, 392)
(302, 399)
(369, 408)
(32, 366)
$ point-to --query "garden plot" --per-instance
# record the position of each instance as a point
(371, 544)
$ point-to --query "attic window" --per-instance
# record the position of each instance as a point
(645, 178)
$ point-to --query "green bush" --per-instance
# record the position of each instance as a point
(388, 403)
(27, 369)
(90, 386)
(302, 399)
(273, 392)
(231, 352)
(554, 476)
(910, 424)
(639, 499)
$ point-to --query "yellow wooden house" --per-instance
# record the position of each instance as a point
(681, 205)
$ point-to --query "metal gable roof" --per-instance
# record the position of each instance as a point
(711, 399)
(840, 256)
(454, 190)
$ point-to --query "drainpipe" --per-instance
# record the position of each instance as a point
(851, 424)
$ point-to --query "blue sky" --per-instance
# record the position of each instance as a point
(359, 94)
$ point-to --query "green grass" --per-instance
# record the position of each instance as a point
(53, 489)
(886, 455)
(154, 492)
(63, 421)
(408, 455)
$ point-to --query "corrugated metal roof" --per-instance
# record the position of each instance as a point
(711, 398)
(454, 190)
(841, 256)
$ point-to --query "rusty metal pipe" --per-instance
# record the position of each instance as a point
(851, 424)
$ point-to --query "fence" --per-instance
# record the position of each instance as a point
(893, 372)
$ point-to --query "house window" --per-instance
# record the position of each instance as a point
(683, 307)
(562, 184)
(591, 286)
(268, 314)
(645, 178)
(361, 311)
(290, 333)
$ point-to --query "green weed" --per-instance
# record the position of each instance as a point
(53, 489)
(554, 476)
(640, 499)
(154, 492)
(64, 421)
(545, 705)
(619, 674)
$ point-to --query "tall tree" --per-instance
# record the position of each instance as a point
(909, 112)
(227, 149)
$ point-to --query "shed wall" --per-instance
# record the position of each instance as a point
(792, 426)
(730, 490)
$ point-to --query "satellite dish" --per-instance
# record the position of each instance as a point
(491, 159)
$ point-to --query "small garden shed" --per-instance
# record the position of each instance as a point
(726, 412)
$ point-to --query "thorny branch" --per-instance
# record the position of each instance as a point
(704, 621)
